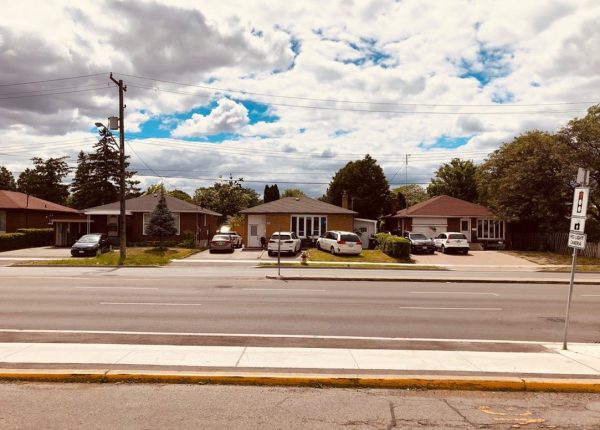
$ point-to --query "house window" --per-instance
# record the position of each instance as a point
(490, 229)
(308, 226)
(2, 221)
(147, 216)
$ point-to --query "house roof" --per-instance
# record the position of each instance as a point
(147, 203)
(16, 200)
(443, 206)
(298, 205)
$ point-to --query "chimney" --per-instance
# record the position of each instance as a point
(345, 200)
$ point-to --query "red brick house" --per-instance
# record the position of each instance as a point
(19, 210)
(188, 217)
(444, 213)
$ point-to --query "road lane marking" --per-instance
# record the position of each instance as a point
(590, 295)
(272, 335)
(117, 288)
(280, 289)
(150, 304)
(450, 309)
(452, 292)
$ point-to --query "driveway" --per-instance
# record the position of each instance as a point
(40, 252)
(473, 258)
(240, 255)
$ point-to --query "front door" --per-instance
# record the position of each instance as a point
(256, 230)
(465, 227)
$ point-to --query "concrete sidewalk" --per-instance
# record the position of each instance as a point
(577, 369)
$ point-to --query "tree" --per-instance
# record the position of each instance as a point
(82, 191)
(292, 192)
(160, 188)
(45, 179)
(455, 179)
(181, 195)
(156, 189)
(366, 185)
(412, 194)
(161, 223)
(529, 182)
(7, 180)
(271, 193)
(582, 135)
(227, 198)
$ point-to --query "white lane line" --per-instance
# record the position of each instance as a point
(117, 288)
(590, 295)
(150, 304)
(273, 335)
(450, 309)
(279, 289)
(453, 292)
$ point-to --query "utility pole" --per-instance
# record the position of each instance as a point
(406, 172)
(122, 217)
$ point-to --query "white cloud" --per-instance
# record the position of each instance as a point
(227, 117)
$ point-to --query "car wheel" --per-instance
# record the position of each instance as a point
(318, 246)
(332, 250)
(444, 250)
(270, 253)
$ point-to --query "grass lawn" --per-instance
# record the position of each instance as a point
(135, 257)
(584, 264)
(366, 256)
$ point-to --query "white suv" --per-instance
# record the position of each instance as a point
(340, 242)
(284, 241)
(451, 241)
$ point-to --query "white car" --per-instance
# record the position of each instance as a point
(452, 241)
(340, 242)
(284, 241)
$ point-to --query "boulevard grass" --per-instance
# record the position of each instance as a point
(584, 264)
(366, 256)
(135, 257)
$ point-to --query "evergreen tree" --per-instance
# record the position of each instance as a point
(271, 193)
(7, 180)
(162, 223)
(82, 192)
(45, 180)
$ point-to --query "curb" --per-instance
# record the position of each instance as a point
(450, 280)
(422, 382)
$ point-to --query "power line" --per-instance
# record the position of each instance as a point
(54, 80)
(54, 93)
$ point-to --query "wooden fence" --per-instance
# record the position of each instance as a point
(554, 242)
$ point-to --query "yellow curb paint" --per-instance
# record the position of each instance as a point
(562, 385)
(62, 375)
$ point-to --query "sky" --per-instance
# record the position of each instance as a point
(289, 92)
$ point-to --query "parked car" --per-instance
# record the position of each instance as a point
(284, 241)
(340, 242)
(91, 244)
(451, 241)
(235, 238)
(221, 242)
(419, 242)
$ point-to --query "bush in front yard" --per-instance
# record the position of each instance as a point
(394, 246)
(26, 238)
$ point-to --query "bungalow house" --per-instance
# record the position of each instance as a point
(188, 217)
(444, 213)
(19, 210)
(308, 218)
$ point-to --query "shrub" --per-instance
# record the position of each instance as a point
(26, 238)
(188, 240)
(394, 246)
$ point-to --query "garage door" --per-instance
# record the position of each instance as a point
(430, 227)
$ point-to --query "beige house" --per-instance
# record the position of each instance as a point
(308, 218)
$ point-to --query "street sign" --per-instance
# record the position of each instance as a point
(577, 225)
(577, 240)
(580, 202)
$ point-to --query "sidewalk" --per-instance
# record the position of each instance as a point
(553, 369)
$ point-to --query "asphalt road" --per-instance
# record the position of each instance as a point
(104, 406)
(172, 306)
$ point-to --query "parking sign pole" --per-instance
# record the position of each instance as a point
(573, 263)
(279, 255)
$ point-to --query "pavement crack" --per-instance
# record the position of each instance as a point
(354, 359)
(459, 413)
(237, 363)
(393, 417)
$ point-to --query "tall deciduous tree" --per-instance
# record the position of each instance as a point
(161, 223)
(160, 188)
(529, 181)
(366, 185)
(412, 194)
(455, 179)
(227, 198)
(293, 192)
(7, 180)
(45, 179)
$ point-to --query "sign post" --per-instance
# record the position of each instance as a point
(577, 237)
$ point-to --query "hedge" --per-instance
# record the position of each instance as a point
(26, 238)
(394, 246)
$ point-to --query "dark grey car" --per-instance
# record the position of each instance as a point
(420, 243)
(91, 244)
(221, 242)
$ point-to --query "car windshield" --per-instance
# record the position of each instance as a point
(418, 236)
(282, 236)
(457, 236)
(221, 237)
(350, 238)
(89, 239)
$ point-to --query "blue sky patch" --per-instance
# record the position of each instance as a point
(446, 142)
(491, 63)
(370, 54)
(502, 97)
